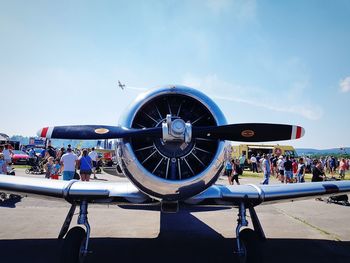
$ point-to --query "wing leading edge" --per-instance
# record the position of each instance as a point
(266, 194)
(93, 191)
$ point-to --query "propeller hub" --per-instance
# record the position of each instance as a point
(178, 127)
(176, 130)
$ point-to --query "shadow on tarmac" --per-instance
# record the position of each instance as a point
(182, 238)
(179, 249)
(10, 201)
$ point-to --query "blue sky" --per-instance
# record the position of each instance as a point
(261, 61)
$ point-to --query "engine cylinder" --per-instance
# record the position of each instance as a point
(171, 170)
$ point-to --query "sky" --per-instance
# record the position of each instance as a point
(260, 61)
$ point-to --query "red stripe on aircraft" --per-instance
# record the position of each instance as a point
(44, 132)
(298, 135)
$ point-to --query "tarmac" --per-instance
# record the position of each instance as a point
(304, 231)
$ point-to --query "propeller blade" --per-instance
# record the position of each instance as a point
(250, 132)
(95, 132)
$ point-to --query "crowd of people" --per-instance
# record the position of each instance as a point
(288, 169)
(66, 162)
(56, 162)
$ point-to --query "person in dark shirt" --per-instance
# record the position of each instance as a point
(51, 151)
(288, 170)
(318, 174)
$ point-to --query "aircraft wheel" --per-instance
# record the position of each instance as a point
(73, 246)
(27, 171)
(251, 245)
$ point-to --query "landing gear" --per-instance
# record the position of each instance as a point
(248, 240)
(75, 245)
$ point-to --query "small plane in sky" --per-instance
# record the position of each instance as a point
(170, 145)
(122, 86)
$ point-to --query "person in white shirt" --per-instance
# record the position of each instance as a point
(280, 166)
(68, 161)
(253, 161)
(94, 157)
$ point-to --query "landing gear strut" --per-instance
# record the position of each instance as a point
(248, 240)
(75, 245)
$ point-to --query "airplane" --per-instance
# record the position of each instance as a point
(122, 86)
(170, 145)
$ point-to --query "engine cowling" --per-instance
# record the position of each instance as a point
(171, 170)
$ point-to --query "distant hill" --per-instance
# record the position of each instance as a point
(306, 151)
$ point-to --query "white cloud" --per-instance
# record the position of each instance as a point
(345, 84)
(213, 86)
(242, 10)
(217, 6)
(308, 112)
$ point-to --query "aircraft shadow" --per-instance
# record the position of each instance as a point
(10, 201)
(180, 249)
(182, 238)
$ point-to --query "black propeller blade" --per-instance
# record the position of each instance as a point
(250, 132)
(245, 132)
(96, 132)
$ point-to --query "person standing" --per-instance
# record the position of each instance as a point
(228, 171)
(295, 170)
(85, 165)
(332, 165)
(68, 162)
(280, 167)
(48, 167)
(56, 169)
(288, 170)
(342, 168)
(242, 161)
(236, 171)
(266, 167)
(3, 165)
(301, 171)
(94, 157)
(253, 162)
(317, 173)
(258, 162)
(60, 153)
(7, 152)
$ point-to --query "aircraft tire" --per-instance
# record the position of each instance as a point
(73, 242)
(252, 246)
(27, 171)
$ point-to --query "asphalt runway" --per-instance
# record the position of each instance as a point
(305, 231)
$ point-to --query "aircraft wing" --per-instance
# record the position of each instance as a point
(126, 192)
(105, 192)
(266, 194)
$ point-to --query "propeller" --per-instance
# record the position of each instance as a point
(96, 132)
(250, 132)
(245, 132)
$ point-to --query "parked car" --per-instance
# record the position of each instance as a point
(19, 157)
